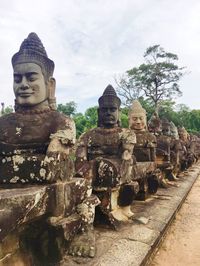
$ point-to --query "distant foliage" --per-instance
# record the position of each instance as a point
(68, 108)
(7, 110)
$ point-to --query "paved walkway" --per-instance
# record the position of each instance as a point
(182, 244)
(133, 244)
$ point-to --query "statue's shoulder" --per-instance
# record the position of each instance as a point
(150, 136)
(61, 119)
(128, 135)
(91, 133)
(65, 127)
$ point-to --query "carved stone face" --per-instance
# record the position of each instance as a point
(109, 116)
(174, 131)
(137, 122)
(166, 130)
(183, 135)
(29, 84)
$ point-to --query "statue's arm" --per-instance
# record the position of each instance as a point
(63, 139)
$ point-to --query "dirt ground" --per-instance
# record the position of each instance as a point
(181, 246)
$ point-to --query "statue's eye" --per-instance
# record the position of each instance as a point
(17, 78)
(32, 78)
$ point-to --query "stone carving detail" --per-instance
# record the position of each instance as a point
(144, 151)
(104, 156)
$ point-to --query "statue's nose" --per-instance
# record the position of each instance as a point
(24, 84)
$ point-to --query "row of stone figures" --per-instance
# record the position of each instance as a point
(50, 201)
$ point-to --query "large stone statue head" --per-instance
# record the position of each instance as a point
(183, 134)
(137, 117)
(108, 112)
(33, 85)
(166, 129)
(154, 124)
(174, 130)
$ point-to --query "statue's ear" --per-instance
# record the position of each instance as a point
(51, 85)
(98, 118)
(119, 119)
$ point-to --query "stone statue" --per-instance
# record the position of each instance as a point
(154, 124)
(144, 151)
(174, 131)
(169, 130)
(162, 149)
(187, 151)
(36, 148)
(35, 141)
(104, 155)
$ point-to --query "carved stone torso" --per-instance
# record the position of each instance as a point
(24, 139)
(104, 149)
(144, 149)
(106, 142)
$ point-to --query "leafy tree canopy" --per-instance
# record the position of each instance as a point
(68, 108)
(155, 80)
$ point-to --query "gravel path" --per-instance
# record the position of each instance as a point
(181, 246)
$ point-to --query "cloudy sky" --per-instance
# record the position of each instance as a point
(91, 41)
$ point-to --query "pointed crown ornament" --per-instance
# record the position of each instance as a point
(33, 51)
(109, 97)
(136, 108)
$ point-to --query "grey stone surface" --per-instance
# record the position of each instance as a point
(124, 252)
(141, 234)
(141, 220)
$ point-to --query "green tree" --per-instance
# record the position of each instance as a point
(124, 117)
(85, 121)
(80, 122)
(8, 109)
(91, 117)
(68, 108)
(155, 80)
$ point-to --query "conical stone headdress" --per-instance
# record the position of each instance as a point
(33, 51)
(109, 97)
(136, 108)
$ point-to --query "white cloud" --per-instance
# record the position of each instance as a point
(92, 40)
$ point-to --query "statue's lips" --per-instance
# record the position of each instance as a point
(25, 94)
(109, 117)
